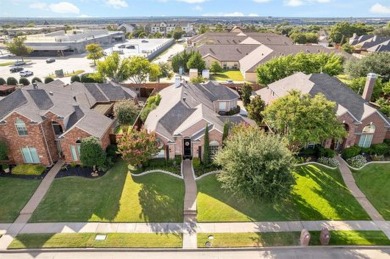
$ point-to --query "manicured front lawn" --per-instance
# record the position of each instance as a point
(14, 194)
(374, 181)
(291, 238)
(87, 240)
(171, 165)
(234, 75)
(115, 197)
(318, 194)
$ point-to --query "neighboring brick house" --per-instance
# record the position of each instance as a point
(363, 122)
(183, 113)
(46, 122)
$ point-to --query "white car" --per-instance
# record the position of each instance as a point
(26, 73)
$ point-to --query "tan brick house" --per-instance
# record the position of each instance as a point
(183, 113)
(362, 120)
(46, 122)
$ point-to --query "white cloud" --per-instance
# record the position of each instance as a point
(380, 9)
(117, 3)
(192, 1)
(294, 2)
(253, 15)
(198, 8)
(41, 6)
(64, 7)
(261, 1)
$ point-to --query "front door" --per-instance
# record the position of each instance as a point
(187, 149)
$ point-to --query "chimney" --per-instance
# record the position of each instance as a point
(369, 87)
(177, 81)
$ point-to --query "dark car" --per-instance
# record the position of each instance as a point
(50, 60)
(15, 69)
(19, 63)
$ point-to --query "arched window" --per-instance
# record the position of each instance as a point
(21, 127)
(214, 146)
(367, 135)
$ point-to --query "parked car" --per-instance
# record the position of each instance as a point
(50, 60)
(229, 81)
(19, 63)
(26, 73)
(15, 69)
(144, 41)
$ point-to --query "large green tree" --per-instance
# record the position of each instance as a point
(126, 112)
(115, 68)
(18, 48)
(373, 63)
(303, 119)
(155, 72)
(304, 37)
(137, 147)
(139, 68)
(255, 164)
(95, 52)
(281, 67)
(342, 31)
(255, 109)
(180, 60)
(215, 67)
(246, 92)
(196, 61)
(91, 152)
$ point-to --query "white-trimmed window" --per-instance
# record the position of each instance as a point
(21, 127)
(214, 146)
(367, 136)
(222, 106)
(30, 155)
(75, 151)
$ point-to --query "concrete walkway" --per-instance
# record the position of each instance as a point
(189, 230)
(32, 204)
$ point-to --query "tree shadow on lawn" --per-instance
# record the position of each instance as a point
(323, 196)
(161, 199)
(254, 210)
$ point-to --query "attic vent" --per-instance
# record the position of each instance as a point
(51, 93)
(184, 99)
(238, 51)
(212, 51)
(74, 98)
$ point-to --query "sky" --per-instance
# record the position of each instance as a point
(132, 8)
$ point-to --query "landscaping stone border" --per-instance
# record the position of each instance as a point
(158, 171)
(372, 162)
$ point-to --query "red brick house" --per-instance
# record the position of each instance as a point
(46, 122)
(362, 120)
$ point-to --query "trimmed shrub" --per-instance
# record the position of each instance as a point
(112, 152)
(36, 79)
(48, 80)
(3, 150)
(234, 111)
(357, 161)
(12, 81)
(24, 81)
(307, 152)
(365, 150)
(329, 161)
(88, 78)
(75, 78)
(351, 152)
(28, 169)
(2, 81)
(380, 149)
(325, 152)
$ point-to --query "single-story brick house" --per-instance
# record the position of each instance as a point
(364, 123)
(42, 123)
(183, 113)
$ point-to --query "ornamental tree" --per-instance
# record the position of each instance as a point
(91, 152)
(18, 48)
(255, 164)
(95, 52)
(302, 119)
(126, 112)
(137, 147)
(255, 109)
(246, 92)
(139, 68)
(113, 67)
(196, 61)
(215, 67)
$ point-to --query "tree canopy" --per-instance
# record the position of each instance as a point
(95, 52)
(196, 61)
(91, 153)
(114, 68)
(377, 63)
(180, 60)
(342, 31)
(281, 67)
(137, 147)
(139, 68)
(246, 92)
(255, 164)
(215, 67)
(255, 109)
(303, 119)
(18, 48)
(304, 37)
(126, 112)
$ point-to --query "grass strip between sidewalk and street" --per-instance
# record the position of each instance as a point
(87, 240)
(224, 240)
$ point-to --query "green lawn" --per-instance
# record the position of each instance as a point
(14, 194)
(87, 240)
(318, 194)
(171, 165)
(291, 238)
(234, 75)
(9, 63)
(115, 197)
(374, 181)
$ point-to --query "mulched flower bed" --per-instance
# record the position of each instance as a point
(78, 171)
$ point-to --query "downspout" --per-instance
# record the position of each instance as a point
(47, 146)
